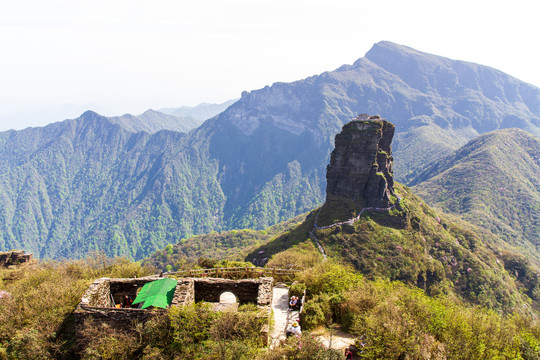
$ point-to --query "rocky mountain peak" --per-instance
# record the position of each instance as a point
(361, 164)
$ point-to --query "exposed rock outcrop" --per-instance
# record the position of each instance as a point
(361, 164)
(15, 257)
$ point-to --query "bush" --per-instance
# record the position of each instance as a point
(329, 277)
(28, 345)
(244, 325)
(36, 320)
(304, 347)
(303, 256)
(104, 342)
(297, 289)
(322, 310)
(398, 320)
(191, 324)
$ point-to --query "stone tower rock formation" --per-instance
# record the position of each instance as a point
(361, 164)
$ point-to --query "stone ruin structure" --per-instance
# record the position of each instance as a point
(360, 166)
(15, 257)
(98, 301)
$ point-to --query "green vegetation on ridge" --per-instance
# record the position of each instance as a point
(494, 182)
(414, 244)
(229, 246)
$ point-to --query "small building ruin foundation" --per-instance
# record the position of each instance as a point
(98, 302)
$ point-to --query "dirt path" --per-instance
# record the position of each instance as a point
(334, 338)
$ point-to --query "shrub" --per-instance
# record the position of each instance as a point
(43, 297)
(227, 350)
(28, 344)
(397, 320)
(304, 347)
(329, 277)
(244, 325)
(191, 324)
(297, 289)
(303, 256)
(104, 342)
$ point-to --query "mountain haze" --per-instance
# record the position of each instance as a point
(98, 183)
(200, 112)
(152, 121)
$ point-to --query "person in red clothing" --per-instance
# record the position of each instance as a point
(127, 301)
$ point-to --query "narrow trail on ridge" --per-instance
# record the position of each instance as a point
(348, 222)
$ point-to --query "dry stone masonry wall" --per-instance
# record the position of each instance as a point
(97, 303)
(256, 291)
(184, 293)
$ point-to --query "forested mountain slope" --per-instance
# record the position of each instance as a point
(90, 184)
(493, 181)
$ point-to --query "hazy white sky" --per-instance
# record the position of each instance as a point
(60, 57)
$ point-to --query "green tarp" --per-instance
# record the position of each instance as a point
(158, 293)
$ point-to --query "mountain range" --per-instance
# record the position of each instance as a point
(200, 112)
(97, 183)
(394, 235)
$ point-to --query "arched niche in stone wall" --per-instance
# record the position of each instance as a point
(228, 297)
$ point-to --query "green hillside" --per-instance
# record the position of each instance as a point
(87, 184)
(494, 182)
(421, 247)
(231, 245)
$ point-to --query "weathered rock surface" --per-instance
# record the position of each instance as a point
(15, 257)
(361, 163)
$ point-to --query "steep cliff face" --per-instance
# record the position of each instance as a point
(361, 164)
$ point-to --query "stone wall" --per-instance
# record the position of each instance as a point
(184, 293)
(188, 290)
(256, 291)
(99, 293)
(96, 302)
(266, 287)
(117, 318)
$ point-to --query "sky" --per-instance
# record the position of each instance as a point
(59, 58)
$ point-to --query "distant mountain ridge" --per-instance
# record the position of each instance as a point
(492, 181)
(181, 119)
(152, 121)
(99, 183)
(201, 112)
